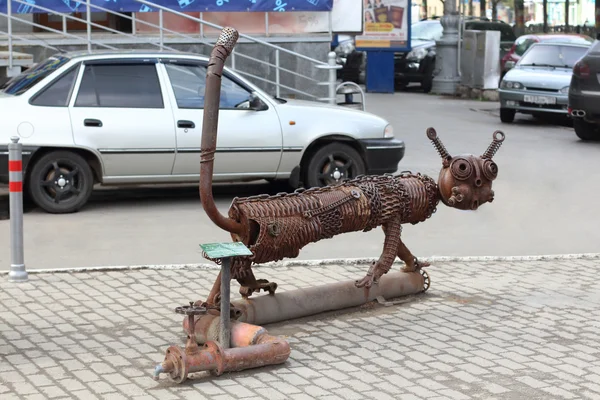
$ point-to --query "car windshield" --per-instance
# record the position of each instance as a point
(552, 56)
(426, 30)
(30, 77)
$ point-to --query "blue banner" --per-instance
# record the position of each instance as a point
(71, 6)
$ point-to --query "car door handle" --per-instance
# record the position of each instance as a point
(92, 122)
(186, 124)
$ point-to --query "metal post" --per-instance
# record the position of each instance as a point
(233, 59)
(225, 323)
(10, 50)
(64, 24)
(133, 24)
(160, 26)
(277, 88)
(15, 186)
(267, 23)
(202, 26)
(88, 16)
(332, 76)
(446, 78)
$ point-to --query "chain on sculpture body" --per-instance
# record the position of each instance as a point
(279, 226)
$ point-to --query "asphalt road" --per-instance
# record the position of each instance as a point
(544, 204)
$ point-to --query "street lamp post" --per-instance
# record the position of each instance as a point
(446, 78)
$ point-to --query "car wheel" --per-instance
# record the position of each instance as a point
(507, 115)
(332, 164)
(60, 182)
(585, 130)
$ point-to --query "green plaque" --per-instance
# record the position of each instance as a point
(223, 250)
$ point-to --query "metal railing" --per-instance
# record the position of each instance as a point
(329, 65)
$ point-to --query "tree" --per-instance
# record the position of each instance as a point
(495, 8)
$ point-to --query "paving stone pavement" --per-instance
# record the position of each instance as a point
(484, 330)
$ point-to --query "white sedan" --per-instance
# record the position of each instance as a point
(116, 118)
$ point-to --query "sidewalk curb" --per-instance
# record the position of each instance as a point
(318, 263)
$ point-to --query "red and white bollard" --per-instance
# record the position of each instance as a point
(15, 186)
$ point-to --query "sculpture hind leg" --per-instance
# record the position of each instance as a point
(392, 230)
(242, 272)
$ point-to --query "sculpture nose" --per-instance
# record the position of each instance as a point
(475, 205)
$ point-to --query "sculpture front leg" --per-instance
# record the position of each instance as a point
(392, 230)
(412, 263)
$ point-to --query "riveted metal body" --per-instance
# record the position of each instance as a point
(279, 226)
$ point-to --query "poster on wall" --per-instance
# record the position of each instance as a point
(386, 25)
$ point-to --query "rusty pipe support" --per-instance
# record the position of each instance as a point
(304, 302)
(212, 97)
(254, 348)
(207, 328)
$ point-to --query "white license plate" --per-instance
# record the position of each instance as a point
(540, 99)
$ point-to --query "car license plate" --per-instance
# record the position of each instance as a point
(540, 99)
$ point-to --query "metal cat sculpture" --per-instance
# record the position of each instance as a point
(277, 227)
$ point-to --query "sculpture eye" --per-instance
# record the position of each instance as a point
(461, 169)
(490, 170)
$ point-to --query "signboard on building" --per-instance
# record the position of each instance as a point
(386, 25)
(70, 6)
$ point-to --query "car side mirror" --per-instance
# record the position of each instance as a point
(256, 103)
(509, 64)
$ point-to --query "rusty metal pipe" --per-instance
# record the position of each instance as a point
(207, 328)
(304, 302)
(178, 363)
(212, 97)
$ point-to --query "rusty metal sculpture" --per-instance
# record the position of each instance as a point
(279, 226)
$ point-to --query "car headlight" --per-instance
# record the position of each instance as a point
(565, 90)
(388, 132)
(511, 85)
(417, 54)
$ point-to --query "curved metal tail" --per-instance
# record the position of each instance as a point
(212, 97)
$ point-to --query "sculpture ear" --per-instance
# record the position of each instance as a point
(498, 138)
(439, 146)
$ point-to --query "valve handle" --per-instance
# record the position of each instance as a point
(191, 309)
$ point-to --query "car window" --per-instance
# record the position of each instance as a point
(595, 49)
(120, 85)
(30, 77)
(426, 30)
(57, 93)
(189, 83)
(232, 94)
(523, 45)
(553, 56)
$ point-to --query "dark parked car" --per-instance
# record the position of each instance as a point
(418, 64)
(584, 94)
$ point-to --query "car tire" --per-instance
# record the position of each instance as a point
(64, 173)
(507, 115)
(585, 130)
(332, 164)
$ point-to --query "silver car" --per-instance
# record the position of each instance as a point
(539, 82)
(131, 117)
